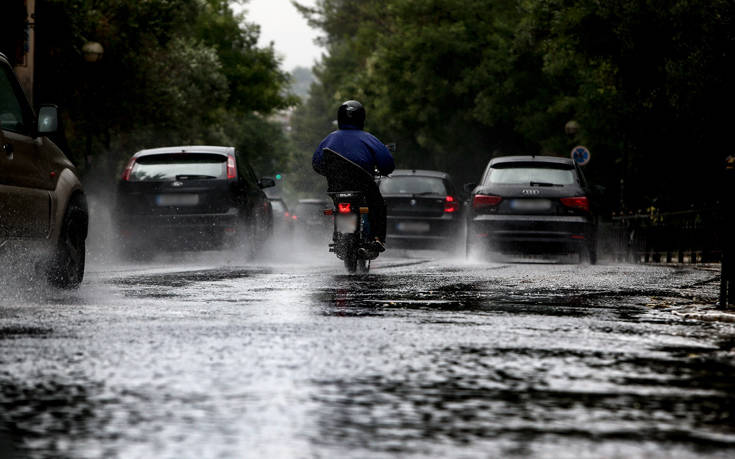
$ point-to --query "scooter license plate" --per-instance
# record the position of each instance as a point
(346, 223)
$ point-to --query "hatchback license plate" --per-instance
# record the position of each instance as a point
(413, 227)
(177, 199)
(530, 204)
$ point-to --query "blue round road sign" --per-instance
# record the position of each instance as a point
(580, 155)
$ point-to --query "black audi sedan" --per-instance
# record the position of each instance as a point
(423, 210)
(191, 198)
(532, 205)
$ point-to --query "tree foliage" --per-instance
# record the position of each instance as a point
(173, 72)
(455, 82)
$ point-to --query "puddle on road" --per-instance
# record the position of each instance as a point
(505, 399)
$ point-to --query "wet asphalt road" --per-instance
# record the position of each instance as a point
(423, 357)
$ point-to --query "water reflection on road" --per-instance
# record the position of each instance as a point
(421, 357)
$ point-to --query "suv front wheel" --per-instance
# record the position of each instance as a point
(67, 266)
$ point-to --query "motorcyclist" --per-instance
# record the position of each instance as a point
(367, 152)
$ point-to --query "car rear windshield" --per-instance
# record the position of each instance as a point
(311, 207)
(278, 206)
(179, 166)
(413, 185)
(530, 173)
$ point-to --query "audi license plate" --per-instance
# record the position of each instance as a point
(346, 223)
(413, 227)
(530, 204)
(177, 199)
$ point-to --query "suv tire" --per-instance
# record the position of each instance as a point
(67, 266)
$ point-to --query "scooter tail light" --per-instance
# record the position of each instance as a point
(344, 207)
(577, 202)
(231, 169)
(128, 169)
(485, 200)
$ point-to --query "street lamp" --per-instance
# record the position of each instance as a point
(92, 51)
(571, 128)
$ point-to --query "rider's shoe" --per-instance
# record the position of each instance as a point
(377, 246)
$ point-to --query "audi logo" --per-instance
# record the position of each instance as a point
(527, 192)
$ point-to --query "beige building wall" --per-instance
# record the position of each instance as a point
(24, 70)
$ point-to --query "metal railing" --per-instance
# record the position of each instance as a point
(688, 236)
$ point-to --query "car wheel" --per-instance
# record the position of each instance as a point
(67, 265)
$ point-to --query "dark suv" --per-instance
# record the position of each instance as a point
(43, 210)
(190, 198)
(532, 205)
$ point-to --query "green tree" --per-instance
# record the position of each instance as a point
(457, 81)
(173, 72)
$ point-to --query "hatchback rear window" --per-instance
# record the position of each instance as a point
(525, 174)
(278, 206)
(413, 185)
(309, 208)
(179, 166)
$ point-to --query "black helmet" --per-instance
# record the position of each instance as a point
(351, 112)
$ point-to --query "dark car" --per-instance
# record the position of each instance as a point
(310, 221)
(191, 197)
(532, 205)
(283, 222)
(423, 209)
(43, 209)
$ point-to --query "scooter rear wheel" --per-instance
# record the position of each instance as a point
(363, 266)
(351, 262)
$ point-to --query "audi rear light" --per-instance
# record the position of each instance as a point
(578, 202)
(344, 207)
(485, 200)
(451, 204)
(128, 169)
(231, 169)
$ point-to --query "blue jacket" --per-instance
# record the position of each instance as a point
(358, 146)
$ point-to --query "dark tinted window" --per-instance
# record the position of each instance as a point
(179, 166)
(413, 185)
(278, 206)
(527, 173)
(13, 116)
(311, 209)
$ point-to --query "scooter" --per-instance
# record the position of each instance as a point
(352, 238)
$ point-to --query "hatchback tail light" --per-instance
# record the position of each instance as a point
(231, 169)
(128, 169)
(451, 204)
(344, 207)
(485, 200)
(578, 202)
